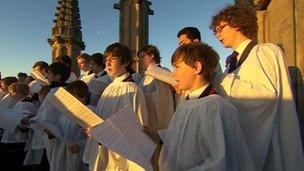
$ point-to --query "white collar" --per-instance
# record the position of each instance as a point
(196, 93)
(241, 47)
(87, 73)
(121, 78)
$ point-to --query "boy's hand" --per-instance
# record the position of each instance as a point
(74, 148)
(87, 131)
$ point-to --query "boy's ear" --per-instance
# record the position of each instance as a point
(198, 68)
(196, 40)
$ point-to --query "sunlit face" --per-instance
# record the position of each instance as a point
(183, 39)
(114, 66)
(226, 34)
(4, 87)
(145, 60)
(183, 75)
(83, 64)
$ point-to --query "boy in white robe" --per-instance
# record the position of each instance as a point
(14, 142)
(204, 133)
(101, 78)
(120, 93)
(84, 64)
(68, 156)
(58, 73)
(41, 68)
(157, 93)
(257, 83)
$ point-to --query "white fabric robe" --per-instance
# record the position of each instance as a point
(260, 90)
(49, 114)
(17, 136)
(62, 158)
(116, 96)
(204, 134)
(7, 102)
(94, 98)
(160, 102)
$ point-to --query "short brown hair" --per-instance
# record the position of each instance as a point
(20, 88)
(239, 16)
(79, 89)
(84, 56)
(151, 50)
(119, 50)
(197, 52)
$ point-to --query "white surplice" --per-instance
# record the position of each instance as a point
(97, 86)
(160, 102)
(116, 96)
(204, 134)
(62, 158)
(17, 136)
(49, 114)
(260, 90)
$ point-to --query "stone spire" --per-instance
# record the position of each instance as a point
(134, 26)
(66, 33)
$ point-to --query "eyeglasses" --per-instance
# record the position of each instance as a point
(220, 28)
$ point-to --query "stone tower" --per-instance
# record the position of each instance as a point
(134, 25)
(66, 34)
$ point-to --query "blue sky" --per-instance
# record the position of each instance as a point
(26, 25)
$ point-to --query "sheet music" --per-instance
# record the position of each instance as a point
(122, 133)
(74, 109)
(160, 74)
(10, 119)
(39, 77)
(96, 87)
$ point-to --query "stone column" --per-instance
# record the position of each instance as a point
(134, 26)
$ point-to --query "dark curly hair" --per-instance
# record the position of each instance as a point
(239, 16)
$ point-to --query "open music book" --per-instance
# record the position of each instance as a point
(10, 119)
(122, 133)
(63, 101)
(160, 73)
(37, 76)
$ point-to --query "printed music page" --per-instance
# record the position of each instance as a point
(160, 74)
(122, 133)
(63, 101)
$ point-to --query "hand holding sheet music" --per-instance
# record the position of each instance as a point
(161, 74)
(122, 133)
(74, 109)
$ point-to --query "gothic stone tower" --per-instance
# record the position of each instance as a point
(66, 34)
(134, 25)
